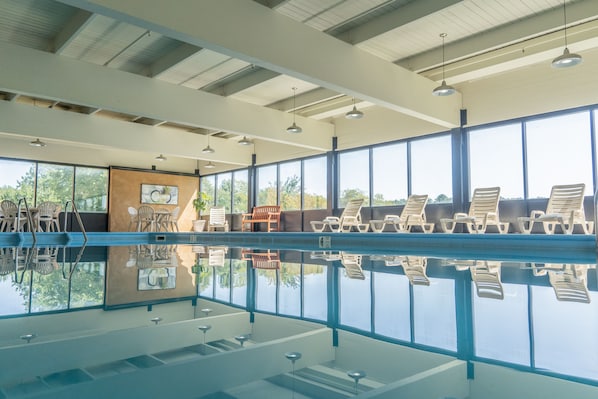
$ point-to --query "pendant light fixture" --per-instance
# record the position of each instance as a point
(443, 89)
(244, 141)
(160, 158)
(208, 149)
(210, 165)
(566, 59)
(37, 143)
(354, 113)
(294, 128)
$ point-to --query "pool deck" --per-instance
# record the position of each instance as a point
(575, 248)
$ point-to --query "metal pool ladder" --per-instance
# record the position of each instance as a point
(29, 219)
(77, 216)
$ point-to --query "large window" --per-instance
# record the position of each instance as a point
(431, 168)
(207, 185)
(496, 159)
(558, 152)
(91, 188)
(40, 182)
(240, 191)
(266, 185)
(289, 185)
(354, 177)
(390, 175)
(315, 183)
(224, 191)
(17, 180)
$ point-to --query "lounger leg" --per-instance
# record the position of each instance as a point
(447, 226)
(503, 228)
(525, 226)
(549, 227)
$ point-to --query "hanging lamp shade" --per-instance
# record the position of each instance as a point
(37, 143)
(444, 89)
(294, 128)
(567, 59)
(244, 141)
(208, 150)
(354, 113)
(210, 165)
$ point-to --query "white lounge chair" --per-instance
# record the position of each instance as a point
(349, 219)
(217, 219)
(565, 208)
(483, 212)
(413, 214)
(486, 277)
(352, 264)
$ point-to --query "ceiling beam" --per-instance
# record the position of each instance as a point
(45, 75)
(250, 78)
(394, 19)
(263, 37)
(71, 29)
(96, 132)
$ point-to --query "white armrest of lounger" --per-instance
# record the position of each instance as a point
(331, 219)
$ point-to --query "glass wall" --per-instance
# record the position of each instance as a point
(354, 177)
(40, 182)
(289, 185)
(240, 191)
(224, 191)
(266, 185)
(492, 146)
(228, 189)
(314, 183)
(389, 175)
(431, 168)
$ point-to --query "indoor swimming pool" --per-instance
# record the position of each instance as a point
(213, 315)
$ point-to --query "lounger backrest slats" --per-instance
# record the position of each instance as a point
(352, 210)
(566, 198)
(217, 216)
(484, 201)
(415, 205)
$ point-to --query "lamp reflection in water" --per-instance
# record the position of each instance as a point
(156, 320)
(356, 375)
(293, 356)
(205, 330)
(206, 311)
(242, 338)
(28, 337)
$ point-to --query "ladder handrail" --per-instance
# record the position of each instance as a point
(76, 212)
(29, 219)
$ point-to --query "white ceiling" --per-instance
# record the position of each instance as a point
(241, 59)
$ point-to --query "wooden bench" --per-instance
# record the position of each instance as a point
(269, 214)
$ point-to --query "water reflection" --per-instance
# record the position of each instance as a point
(539, 317)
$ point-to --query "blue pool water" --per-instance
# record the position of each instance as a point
(498, 304)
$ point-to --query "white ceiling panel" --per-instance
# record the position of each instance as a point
(202, 61)
(273, 90)
(217, 72)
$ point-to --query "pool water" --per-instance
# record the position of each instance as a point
(430, 323)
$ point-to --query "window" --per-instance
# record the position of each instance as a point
(496, 159)
(434, 314)
(390, 175)
(91, 189)
(265, 290)
(558, 152)
(315, 182)
(239, 282)
(222, 286)
(266, 185)
(431, 168)
(240, 191)
(207, 185)
(354, 177)
(289, 184)
(17, 180)
(54, 183)
(224, 191)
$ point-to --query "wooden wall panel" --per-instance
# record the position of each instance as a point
(125, 191)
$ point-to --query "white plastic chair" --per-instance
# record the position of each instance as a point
(350, 218)
(483, 212)
(217, 219)
(145, 218)
(565, 208)
(174, 218)
(413, 214)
